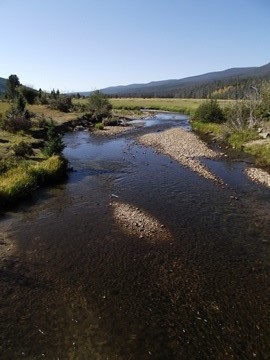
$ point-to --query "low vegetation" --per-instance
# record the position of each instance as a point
(240, 125)
(260, 151)
(19, 181)
(238, 139)
(184, 106)
(27, 162)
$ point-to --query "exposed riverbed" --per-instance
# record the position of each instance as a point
(137, 257)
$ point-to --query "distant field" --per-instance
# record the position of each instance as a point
(187, 106)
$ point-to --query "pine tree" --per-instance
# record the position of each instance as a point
(54, 144)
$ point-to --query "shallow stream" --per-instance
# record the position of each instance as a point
(74, 285)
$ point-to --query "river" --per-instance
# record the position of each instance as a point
(74, 285)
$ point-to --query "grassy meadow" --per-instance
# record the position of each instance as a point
(185, 106)
(133, 106)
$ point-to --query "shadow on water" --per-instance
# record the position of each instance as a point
(79, 287)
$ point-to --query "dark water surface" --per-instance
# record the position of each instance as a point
(74, 286)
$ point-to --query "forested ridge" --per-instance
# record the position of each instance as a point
(229, 84)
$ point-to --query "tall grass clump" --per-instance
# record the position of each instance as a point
(261, 152)
(20, 181)
(237, 139)
(218, 130)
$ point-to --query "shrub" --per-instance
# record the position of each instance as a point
(241, 115)
(209, 111)
(62, 103)
(99, 106)
(15, 123)
(22, 149)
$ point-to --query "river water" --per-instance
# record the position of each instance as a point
(74, 285)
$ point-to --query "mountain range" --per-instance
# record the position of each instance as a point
(230, 83)
(186, 87)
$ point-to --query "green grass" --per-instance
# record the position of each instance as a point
(20, 180)
(260, 151)
(238, 138)
(218, 130)
(186, 106)
(8, 140)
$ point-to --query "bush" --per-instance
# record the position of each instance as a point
(209, 111)
(62, 103)
(241, 115)
(99, 106)
(22, 149)
(15, 123)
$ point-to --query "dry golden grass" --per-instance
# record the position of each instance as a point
(58, 116)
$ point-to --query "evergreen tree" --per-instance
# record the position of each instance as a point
(11, 87)
(54, 144)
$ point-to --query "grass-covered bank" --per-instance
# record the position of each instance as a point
(246, 140)
(20, 180)
(244, 125)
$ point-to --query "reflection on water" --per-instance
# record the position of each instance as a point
(80, 287)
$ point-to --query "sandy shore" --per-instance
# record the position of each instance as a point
(184, 147)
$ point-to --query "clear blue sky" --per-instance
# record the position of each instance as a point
(80, 45)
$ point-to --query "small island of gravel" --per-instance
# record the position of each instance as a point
(184, 147)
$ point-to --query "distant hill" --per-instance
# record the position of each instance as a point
(227, 84)
(2, 85)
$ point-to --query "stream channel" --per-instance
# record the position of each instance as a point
(74, 285)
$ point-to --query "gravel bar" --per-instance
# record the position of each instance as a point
(258, 175)
(184, 147)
